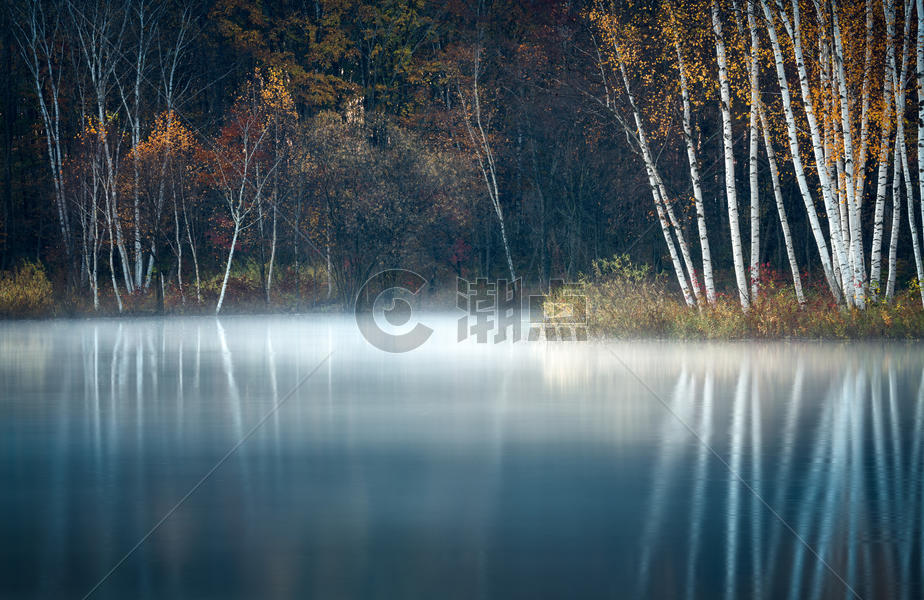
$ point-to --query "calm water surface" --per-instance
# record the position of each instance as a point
(623, 470)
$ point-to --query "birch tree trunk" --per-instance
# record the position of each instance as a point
(901, 148)
(192, 250)
(896, 221)
(909, 194)
(752, 154)
(695, 179)
(179, 250)
(853, 205)
(485, 157)
(98, 34)
(678, 231)
(730, 188)
(35, 34)
(827, 187)
(860, 171)
(224, 281)
(112, 270)
(272, 258)
(657, 186)
(920, 78)
(882, 178)
(780, 208)
(792, 131)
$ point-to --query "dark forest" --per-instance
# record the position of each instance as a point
(278, 153)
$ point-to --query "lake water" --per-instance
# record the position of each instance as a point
(150, 450)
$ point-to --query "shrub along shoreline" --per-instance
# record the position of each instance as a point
(623, 300)
(27, 293)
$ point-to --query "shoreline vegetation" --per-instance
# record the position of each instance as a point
(765, 160)
(623, 300)
(626, 300)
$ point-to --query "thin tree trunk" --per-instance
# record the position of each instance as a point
(920, 77)
(827, 188)
(752, 154)
(192, 249)
(272, 258)
(875, 268)
(896, 221)
(485, 158)
(139, 257)
(678, 232)
(909, 194)
(112, 272)
(695, 179)
(179, 250)
(860, 171)
(820, 242)
(882, 179)
(37, 46)
(730, 190)
(224, 282)
(653, 182)
(858, 275)
(901, 147)
(780, 208)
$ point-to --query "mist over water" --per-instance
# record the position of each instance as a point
(619, 469)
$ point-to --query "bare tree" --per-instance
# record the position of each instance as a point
(38, 29)
(484, 154)
(98, 29)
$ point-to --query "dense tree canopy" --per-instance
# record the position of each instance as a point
(189, 146)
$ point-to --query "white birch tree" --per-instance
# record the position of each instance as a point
(729, 153)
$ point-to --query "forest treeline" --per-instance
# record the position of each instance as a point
(223, 151)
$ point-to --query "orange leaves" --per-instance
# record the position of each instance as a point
(168, 137)
(254, 143)
(274, 94)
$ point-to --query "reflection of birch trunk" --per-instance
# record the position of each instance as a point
(739, 416)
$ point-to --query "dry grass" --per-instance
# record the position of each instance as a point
(26, 292)
(624, 300)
